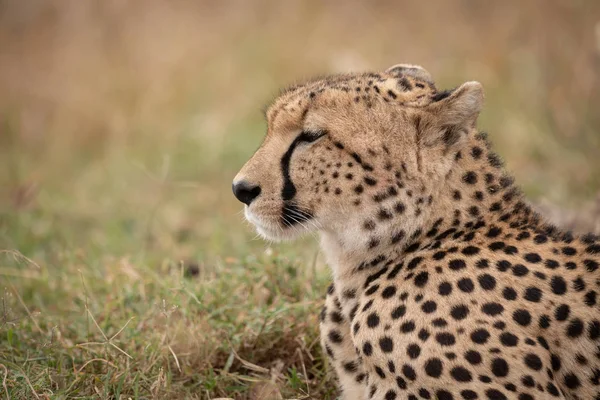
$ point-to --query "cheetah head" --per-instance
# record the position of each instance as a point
(337, 147)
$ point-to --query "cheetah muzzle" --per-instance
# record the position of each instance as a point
(446, 284)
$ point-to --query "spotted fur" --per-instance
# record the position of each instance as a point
(446, 284)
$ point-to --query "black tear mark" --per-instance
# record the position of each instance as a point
(289, 190)
(291, 214)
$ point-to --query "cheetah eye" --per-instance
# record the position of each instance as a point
(311, 136)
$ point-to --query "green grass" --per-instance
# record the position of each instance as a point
(91, 324)
(126, 268)
(146, 285)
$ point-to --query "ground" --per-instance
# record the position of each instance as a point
(126, 269)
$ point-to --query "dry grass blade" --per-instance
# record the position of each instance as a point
(17, 255)
(4, 380)
(95, 359)
(26, 308)
(247, 364)
(175, 357)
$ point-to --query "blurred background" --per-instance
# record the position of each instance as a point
(122, 124)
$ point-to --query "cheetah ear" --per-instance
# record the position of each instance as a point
(415, 71)
(451, 113)
(458, 107)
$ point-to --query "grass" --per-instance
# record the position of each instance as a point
(126, 269)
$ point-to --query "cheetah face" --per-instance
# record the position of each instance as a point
(337, 147)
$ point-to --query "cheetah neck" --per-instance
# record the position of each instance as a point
(476, 197)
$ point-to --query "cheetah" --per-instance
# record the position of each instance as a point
(446, 283)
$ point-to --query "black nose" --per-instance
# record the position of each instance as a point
(245, 192)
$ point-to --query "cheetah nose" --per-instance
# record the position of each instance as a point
(245, 192)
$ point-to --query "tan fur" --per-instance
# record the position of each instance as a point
(409, 198)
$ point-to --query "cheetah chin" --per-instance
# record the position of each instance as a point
(446, 284)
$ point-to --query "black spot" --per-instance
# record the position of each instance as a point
(428, 307)
(558, 285)
(398, 312)
(494, 160)
(594, 330)
(590, 265)
(480, 336)
(386, 344)
(407, 327)
(390, 395)
(496, 246)
(470, 177)
(509, 293)
(575, 328)
(500, 367)
(522, 317)
(544, 322)
(399, 207)
(445, 289)
(335, 337)
(367, 348)
(409, 372)
(443, 395)
(413, 351)
(372, 320)
(388, 292)
(398, 236)
(350, 366)
(469, 395)
(493, 394)
(533, 258)
(384, 214)
(414, 263)
(590, 298)
(470, 250)
(487, 282)
(421, 279)
(572, 381)
(466, 285)
(461, 374)
(553, 390)
(434, 367)
(445, 339)
(370, 181)
(371, 290)
(459, 312)
(555, 362)
(457, 265)
(508, 339)
(533, 294)
(336, 317)
(492, 308)
(473, 357)
(533, 361)
(520, 270)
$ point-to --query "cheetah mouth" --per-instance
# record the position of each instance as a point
(291, 223)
